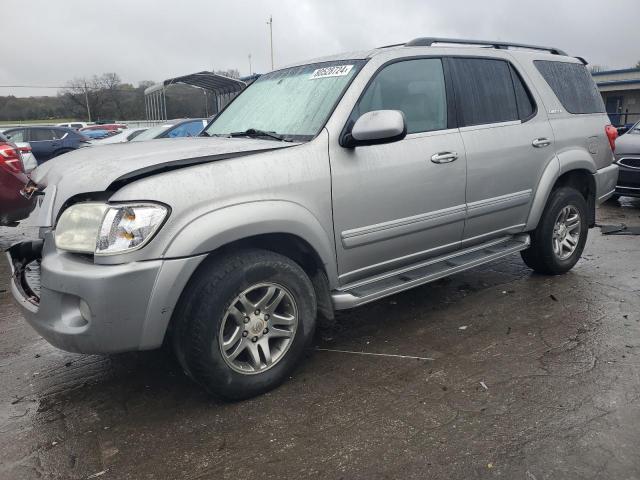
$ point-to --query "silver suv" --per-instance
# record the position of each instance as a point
(323, 186)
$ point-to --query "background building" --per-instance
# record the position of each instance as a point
(620, 90)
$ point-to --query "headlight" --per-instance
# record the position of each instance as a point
(104, 229)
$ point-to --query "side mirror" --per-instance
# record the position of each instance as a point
(379, 126)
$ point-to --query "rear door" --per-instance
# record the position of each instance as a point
(508, 141)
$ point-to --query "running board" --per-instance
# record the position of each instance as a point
(367, 291)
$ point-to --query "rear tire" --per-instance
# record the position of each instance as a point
(244, 322)
(558, 241)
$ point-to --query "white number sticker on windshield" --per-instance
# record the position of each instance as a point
(334, 71)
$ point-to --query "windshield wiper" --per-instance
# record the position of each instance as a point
(254, 132)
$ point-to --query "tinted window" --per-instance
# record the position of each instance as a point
(15, 135)
(41, 134)
(416, 87)
(134, 134)
(573, 85)
(524, 101)
(484, 91)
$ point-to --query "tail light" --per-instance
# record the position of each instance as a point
(612, 134)
(10, 158)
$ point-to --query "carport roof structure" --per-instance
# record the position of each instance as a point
(217, 84)
(222, 87)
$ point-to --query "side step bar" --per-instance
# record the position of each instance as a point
(369, 290)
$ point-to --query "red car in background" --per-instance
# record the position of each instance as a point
(106, 126)
(13, 206)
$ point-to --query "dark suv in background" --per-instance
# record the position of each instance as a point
(48, 142)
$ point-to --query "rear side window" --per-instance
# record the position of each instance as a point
(524, 101)
(16, 135)
(58, 134)
(484, 91)
(416, 87)
(573, 85)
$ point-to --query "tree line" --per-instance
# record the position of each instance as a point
(108, 98)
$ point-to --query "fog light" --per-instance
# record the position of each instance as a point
(85, 311)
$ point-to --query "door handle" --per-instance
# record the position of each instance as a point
(541, 142)
(444, 157)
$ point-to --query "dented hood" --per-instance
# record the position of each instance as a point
(108, 167)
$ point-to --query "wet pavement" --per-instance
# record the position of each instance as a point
(521, 376)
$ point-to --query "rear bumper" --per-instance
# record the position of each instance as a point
(606, 180)
(88, 308)
(13, 206)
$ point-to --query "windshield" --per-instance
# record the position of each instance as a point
(635, 129)
(293, 103)
(151, 133)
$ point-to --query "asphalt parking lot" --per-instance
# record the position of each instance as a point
(520, 376)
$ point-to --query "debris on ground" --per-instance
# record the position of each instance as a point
(621, 229)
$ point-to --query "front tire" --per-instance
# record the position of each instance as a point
(244, 323)
(558, 241)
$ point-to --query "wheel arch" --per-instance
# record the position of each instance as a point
(573, 168)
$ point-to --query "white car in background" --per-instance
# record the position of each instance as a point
(74, 125)
(122, 136)
(28, 160)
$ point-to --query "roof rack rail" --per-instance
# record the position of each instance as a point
(429, 41)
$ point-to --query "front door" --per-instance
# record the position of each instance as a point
(392, 204)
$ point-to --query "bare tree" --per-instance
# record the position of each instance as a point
(231, 73)
(111, 85)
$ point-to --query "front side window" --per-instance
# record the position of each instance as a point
(293, 103)
(573, 85)
(415, 87)
(41, 135)
(189, 129)
(484, 91)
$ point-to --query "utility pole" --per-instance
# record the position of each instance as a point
(270, 23)
(86, 98)
(250, 71)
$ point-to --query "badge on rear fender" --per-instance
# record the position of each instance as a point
(333, 71)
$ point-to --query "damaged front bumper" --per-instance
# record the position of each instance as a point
(83, 307)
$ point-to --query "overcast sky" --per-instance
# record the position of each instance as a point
(50, 42)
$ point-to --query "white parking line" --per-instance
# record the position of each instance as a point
(374, 354)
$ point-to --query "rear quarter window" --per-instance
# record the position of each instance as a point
(573, 85)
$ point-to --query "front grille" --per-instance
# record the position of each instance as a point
(630, 162)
